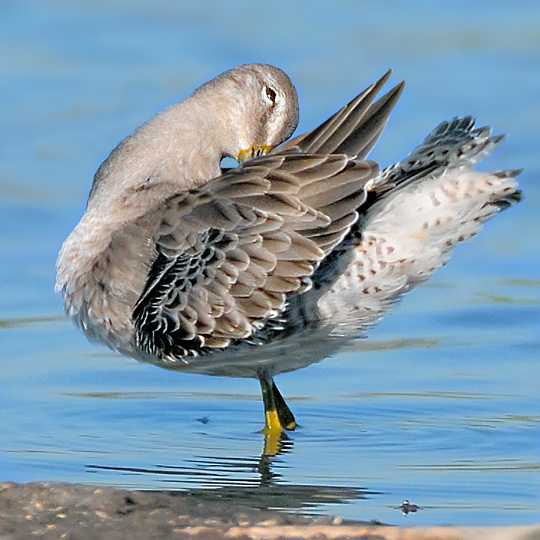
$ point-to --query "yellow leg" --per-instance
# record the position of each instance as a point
(286, 417)
(278, 416)
(272, 424)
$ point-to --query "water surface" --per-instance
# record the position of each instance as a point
(439, 406)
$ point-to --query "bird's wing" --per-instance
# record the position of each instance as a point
(230, 254)
(453, 144)
(354, 129)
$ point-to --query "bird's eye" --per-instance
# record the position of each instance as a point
(269, 95)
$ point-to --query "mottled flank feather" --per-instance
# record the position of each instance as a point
(411, 222)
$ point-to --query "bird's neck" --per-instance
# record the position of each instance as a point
(171, 153)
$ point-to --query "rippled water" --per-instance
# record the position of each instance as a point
(439, 406)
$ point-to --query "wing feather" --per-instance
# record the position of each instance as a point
(230, 255)
(354, 129)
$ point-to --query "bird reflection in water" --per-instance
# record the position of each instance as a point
(250, 481)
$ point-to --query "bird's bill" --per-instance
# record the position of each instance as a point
(257, 150)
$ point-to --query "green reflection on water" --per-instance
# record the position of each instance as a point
(30, 321)
(503, 299)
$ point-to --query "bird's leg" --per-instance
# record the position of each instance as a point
(285, 415)
(278, 416)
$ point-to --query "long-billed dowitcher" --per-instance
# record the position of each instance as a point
(268, 266)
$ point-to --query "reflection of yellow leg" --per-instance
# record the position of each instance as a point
(278, 416)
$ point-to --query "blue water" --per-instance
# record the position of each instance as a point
(440, 405)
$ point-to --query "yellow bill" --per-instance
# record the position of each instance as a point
(253, 152)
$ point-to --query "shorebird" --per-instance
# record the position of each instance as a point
(269, 266)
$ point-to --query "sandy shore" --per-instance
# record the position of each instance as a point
(65, 511)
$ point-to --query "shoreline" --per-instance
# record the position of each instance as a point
(74, 511)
